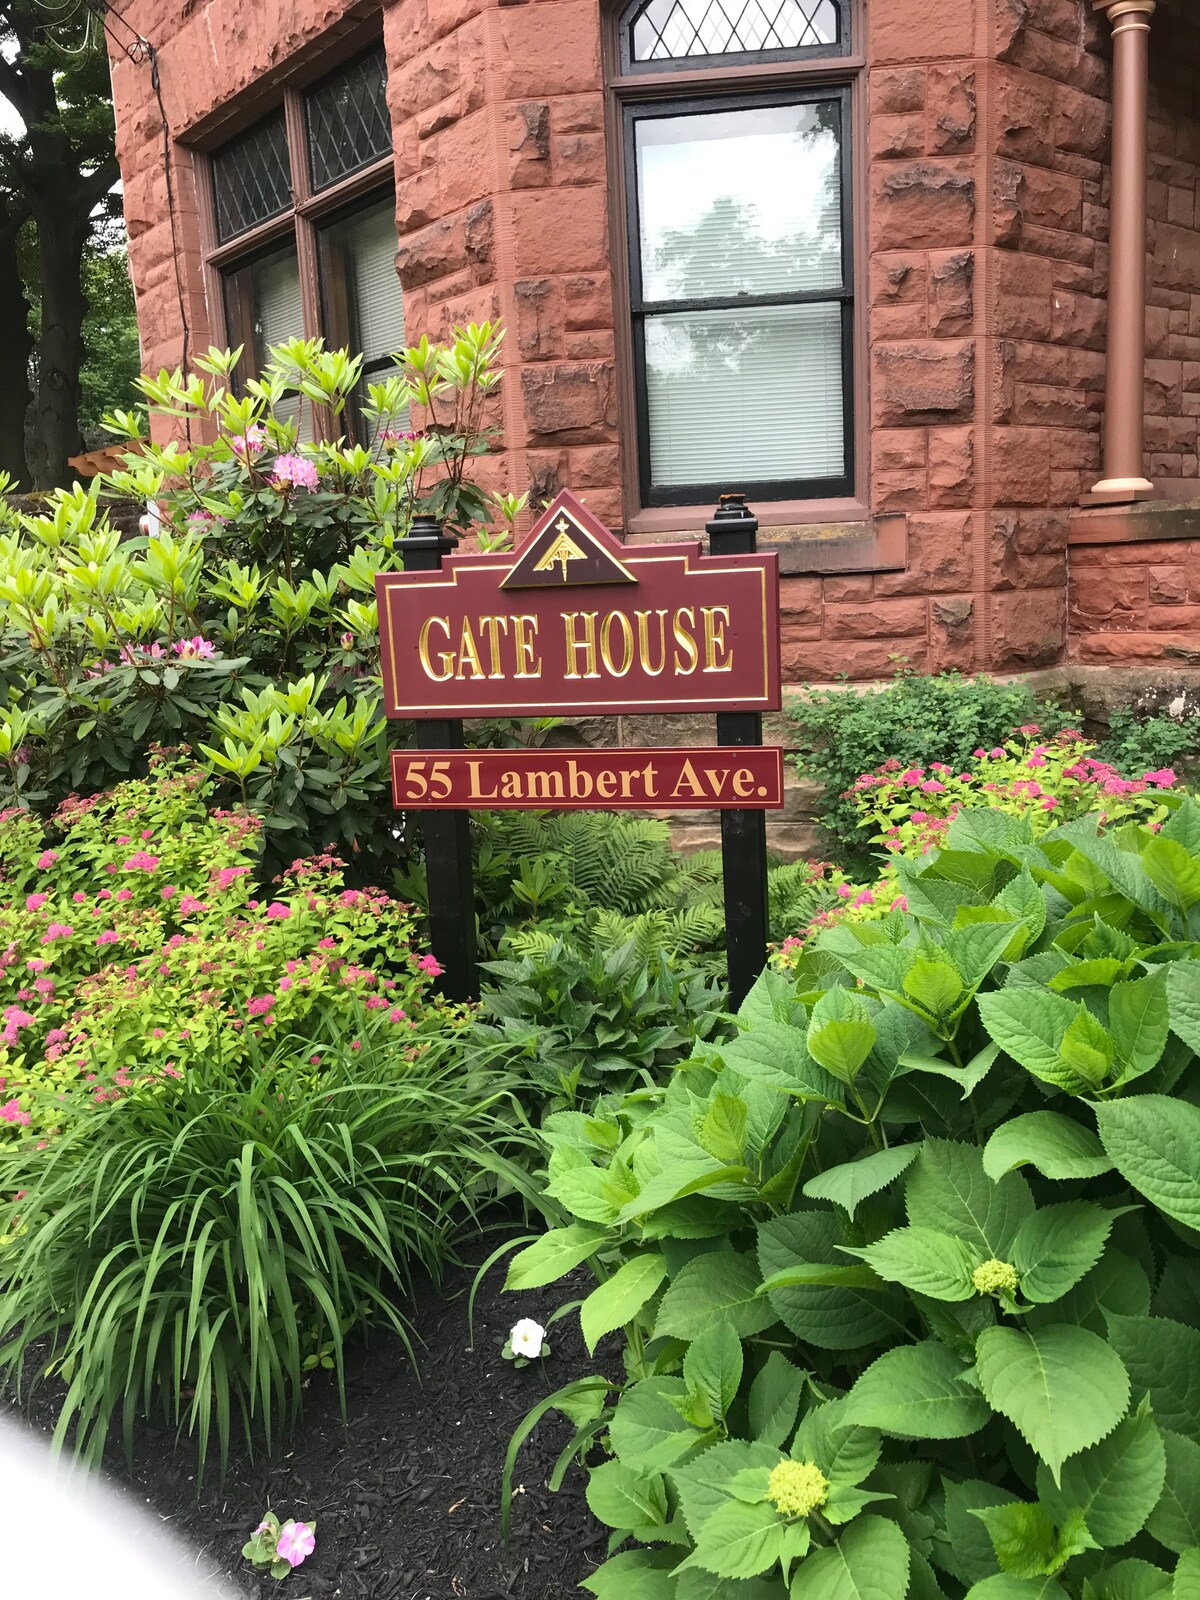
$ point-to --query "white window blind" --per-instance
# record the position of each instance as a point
(365, 246)
(279, 316)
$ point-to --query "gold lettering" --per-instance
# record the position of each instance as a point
(606, 785)
(510, 786)
(545, 785)
(687, 774)
(716, 619)
(579, 783)
(493, 626)
(468, 653)
(476, 790)
(643, 626)
(684, 641)
(743, 783)
(606, 630)
(575, 645)
(627, 785)
(446, 657)
(650, 780)
(529, 665)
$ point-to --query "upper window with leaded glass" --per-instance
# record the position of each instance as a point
(698, 33)
(348, 121)
(252, 178)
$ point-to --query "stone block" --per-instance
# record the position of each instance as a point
(920, 30)
(587, 301)
(940, 558)
(573, 401)
(539, 318)
(1028, 629)
(897, 89)
(923, 205)
(560, 230)
(952, 293)
(902, 135)
(951, 107)
(929, 382)
(951, 466)
(880, 619)
(1020, 467)
(847, 590)
(549, 48)
(579, 158)
(527, 127)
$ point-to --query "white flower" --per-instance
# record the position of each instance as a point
(526, 1338)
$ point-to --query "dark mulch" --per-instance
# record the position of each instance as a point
(406, 1489)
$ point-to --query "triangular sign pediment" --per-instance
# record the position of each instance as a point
(568, 546)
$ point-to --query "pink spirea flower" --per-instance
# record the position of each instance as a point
(35, 902)
(168, 891)
(260, 1004)
(58, 930)
(294, 471)
(900, 903)
(844, 891)
(11, 1111)
(1163, 778)
(866, 898)
(188, 903)
(1035, 760)
(396, 1014)
(431, 965)
(230, 875)
(1049, 803)
(997, 752)
(296, 1541)
(194, 649)
(142, 861)
(124, 894)
(79, 897)
(326, 944)
(47, 859)
(109, 936)
(278, 912)
(932, 786)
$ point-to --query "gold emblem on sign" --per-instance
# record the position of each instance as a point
(563, 550)
(567, 547)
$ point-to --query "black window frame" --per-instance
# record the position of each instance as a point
(837, 486)
(630, 67)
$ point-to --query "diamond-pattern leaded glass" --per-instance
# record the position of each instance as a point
(673, 30)
(348, 121)
(252, 177)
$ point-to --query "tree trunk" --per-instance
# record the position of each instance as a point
(61, 240)
(16, 346)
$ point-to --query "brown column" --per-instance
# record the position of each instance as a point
(1124, 407)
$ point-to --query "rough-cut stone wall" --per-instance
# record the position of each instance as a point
(1173, 315)
(982, 231)
(1137, 602)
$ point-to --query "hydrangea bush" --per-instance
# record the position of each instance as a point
(246, 625)
(133, 941)
(904, 1274)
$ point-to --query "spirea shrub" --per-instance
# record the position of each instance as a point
(133, 941)
(904, 1273)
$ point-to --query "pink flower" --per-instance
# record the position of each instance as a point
(932, 786)
(913, 775)
(1049, 803)
(47, 859)
(194, 649)
(1163, 778)
(11, 1112)
(44, 987)
(105, 894)
(260, 1004)
(899, 904)
(1035, 760)
(188, 903)
(997, 752)
(326, 944)
(844, 891)
(229, 875)
(866, 898)
(142, 861)
(294, 471)
(314, 1061)
(278, 912)
(395, 1014)
(347, 641)
(1030, 728)
(58, 930)
(979, 754)
(431, 965)
(168, 891)
(35, 902)
(79, 897)
(124, 894)
(919, 816)
(296, 1541)
(248, 443)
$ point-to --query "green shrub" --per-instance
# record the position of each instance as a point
(1137, 743)
(601, 1016)
(906, 1269)
(194, 1247)
(133, 942)
(915, 719)
(247, 628)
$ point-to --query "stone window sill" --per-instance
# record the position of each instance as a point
(810, 536)
(1149, 521)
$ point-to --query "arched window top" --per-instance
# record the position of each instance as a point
(697, 33)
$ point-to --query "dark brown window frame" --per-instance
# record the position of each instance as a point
(302, 223)
(845, 72)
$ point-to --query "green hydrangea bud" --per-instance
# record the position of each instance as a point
(797, 1488)
(995, 1277)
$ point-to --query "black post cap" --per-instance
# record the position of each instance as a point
(732, 517)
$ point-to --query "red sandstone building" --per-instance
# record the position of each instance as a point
(886, 265)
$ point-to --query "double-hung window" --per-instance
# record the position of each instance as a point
(738, 221)
(302, 225)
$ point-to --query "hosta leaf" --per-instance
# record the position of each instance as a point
(775, 1399)
(851, 1183)
(720, 1284)
(1057, 1247)
(1116, 1484)
(1138, 1021)
(713, 1366)
(1163, 1360)
(1154, 1142)
(923, 1260)
(869, 1562)
(948, 1190)
(1063, 1387)
(618, 1299)
(622, 1498)
(1175, 1520)
(832, 1319)
(917, 1392)
(1051, 1143)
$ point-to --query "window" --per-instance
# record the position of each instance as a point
(738, 219)
(303, 228)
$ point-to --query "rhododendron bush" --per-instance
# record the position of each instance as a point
(133, 941)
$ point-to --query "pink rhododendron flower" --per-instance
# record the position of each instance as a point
(35, 902)
(248, 443)
(296, 1541)
(278, 912)
(294, 471)
(194, 649)
(47, 859)
(431, 965)
(347, 641)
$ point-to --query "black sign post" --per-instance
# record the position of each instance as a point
(733, 531)
(447, 834)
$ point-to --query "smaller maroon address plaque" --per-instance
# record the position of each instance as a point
(748, 778)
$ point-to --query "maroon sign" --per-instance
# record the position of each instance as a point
(577, 623)
(748, 778)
